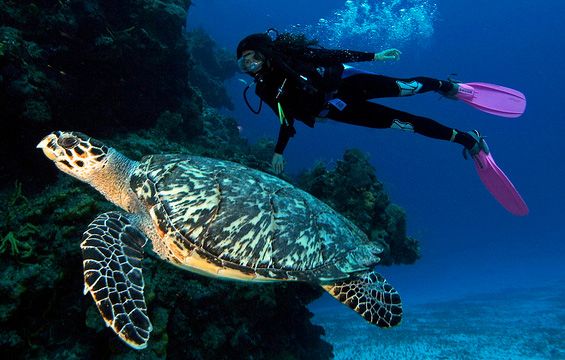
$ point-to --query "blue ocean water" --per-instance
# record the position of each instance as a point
(470, 244)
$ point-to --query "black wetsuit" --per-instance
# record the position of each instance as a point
(313, 81)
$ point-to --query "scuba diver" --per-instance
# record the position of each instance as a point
(301, 81)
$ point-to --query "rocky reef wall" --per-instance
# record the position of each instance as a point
(102, 66)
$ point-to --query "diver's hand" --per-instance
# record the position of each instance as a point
(307, 86)
(278, 163)
(389, 54)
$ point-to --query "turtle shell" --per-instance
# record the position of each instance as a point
(244, 219)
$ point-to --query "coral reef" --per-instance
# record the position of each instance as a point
(353, 190)
(210, 67)
(68, 64)
(194, 317)
(111, 67)
(15, 234)
(128, 73)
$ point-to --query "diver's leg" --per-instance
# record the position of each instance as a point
(371, 86)
(371, 115)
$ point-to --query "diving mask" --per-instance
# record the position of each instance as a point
(250, 62)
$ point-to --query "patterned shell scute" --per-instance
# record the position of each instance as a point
(251, 219)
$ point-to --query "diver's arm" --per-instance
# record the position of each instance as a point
(285, 133)
(323, 56)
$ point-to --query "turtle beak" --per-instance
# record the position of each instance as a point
(48, 145)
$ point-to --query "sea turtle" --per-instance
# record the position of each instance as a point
(215, 218)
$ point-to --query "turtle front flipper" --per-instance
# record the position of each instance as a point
(371, 296)
(112, 249)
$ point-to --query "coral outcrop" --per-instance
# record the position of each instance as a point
(352, 189)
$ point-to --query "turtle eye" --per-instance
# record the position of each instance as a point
(67, 142)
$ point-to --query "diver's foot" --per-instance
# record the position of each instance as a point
(474, 144)
(452, 93)
(449, 88)
(455, 89)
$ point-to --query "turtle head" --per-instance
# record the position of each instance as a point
(75, 153)
(89, 160)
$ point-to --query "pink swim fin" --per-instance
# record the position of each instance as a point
(499, 185)
(493, 99)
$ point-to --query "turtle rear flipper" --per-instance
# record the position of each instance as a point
(371, 296)
(112, 248)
